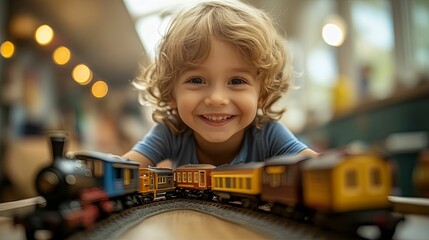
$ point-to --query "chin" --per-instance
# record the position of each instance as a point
(216, 139)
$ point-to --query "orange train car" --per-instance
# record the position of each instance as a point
(194, 180)
(156, 182)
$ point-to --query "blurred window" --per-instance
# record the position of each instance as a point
(189, 176)
(351, 179)
(374, 46)
(375, 177)
(420, 26)
(195, 177)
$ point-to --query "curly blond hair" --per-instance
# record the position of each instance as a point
(187, 42)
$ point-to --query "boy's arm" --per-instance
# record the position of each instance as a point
(138, 157)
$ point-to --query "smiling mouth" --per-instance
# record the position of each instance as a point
(217, 118)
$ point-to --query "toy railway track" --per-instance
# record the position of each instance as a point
(272, 226)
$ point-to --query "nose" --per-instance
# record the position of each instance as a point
(217, 97)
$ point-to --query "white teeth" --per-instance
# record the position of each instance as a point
(217, 118)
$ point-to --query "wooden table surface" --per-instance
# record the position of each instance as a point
(177, 224)
(188, 224)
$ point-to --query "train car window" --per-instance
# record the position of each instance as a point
(228, 182)
(195, 177)
(132, 174)
(179, 177)
(351, 178)
(174, 176)
(275, 180)
(202, 178)
(214, 182)
(98, 168)
(118, 173)
(248, 183)
(184, 177)
(162, 180)
(233, 185)
(240, 182)
(375, 177)
(127, 176)
(190, 177)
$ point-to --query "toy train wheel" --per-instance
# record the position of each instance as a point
(140, 199)
(128, 202)
(221, 200)
(185, 194)
(168, 195)
(249, 203)
(148, 199)
(208, 196)
(117, 205)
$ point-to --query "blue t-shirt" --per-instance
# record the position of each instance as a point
(272, 139)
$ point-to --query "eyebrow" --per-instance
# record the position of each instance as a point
(247, 70)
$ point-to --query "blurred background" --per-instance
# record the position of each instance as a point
(362, 77)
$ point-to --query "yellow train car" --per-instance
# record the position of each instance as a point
(156, 182)
(241, 182)
(342, 181)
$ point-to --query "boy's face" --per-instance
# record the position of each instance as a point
(219, 97)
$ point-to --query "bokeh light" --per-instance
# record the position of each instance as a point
(61, 55)
(82, 74)
(7, 49)
(334, 31)
(100, 89)
(44, 35)
(332, 35)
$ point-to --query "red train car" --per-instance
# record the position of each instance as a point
(194, 180)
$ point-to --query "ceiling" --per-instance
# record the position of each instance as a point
(101, 33)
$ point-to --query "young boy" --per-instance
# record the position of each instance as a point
(220, 68)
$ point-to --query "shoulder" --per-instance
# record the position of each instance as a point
(278, 139)
(269, 129)
(270, 134)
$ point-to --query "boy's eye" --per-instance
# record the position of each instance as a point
(235, 81)
(196, 80)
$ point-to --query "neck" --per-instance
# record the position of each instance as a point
(218, 153)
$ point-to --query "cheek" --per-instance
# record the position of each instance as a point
(250, 103)
(185, 102)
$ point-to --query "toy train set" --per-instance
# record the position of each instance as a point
(338, 190)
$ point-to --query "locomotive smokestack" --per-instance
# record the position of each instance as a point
(58, 141)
